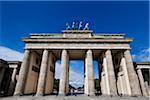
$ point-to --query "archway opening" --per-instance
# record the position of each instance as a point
(57, 77)
(76, 79)
(96, 77)
(77, 76)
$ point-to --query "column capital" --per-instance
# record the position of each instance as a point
(127, 51)
(107, 52)
(89, 51)
(45, 50)
(64, 51)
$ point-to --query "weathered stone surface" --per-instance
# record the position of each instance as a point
(126, 77)
(134, 83)
(106, 78)
(32, 74)
(111, 73)
(144, 92)
(63, 77)
(23, 73)
(50, 74)
(13, 82)
(43, 73)
(89, 70)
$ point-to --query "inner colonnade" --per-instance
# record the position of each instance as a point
(113, 72)
(112, 51)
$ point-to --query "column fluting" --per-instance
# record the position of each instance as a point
(142, 83)
(134, 82)
(63, 76)
(43, 73)
(23, 74)
(111, 73)
(90, 72)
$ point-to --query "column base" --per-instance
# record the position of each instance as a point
(89, 94)
(39, 95)
(113, 95)
(92, 94)
(135, 95)
(62, 94)
(124, 95)
(105, 95)
(18, 94)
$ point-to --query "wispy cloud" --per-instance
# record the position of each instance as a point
(143, 55)
(75, 79)
(10, 54)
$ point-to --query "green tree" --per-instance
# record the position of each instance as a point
(97, 85)
(56, 84)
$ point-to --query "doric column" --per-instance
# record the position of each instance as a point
(120, 78)
(124, 69)
(43, 73)
(147, 88)
(63, 77)
(111, 73)
(67, 78)
(89, 73)
(102, 83)
(134, 83)
(118, 85)
(86, 77)
(13, 82)
(13, 77)
(144, 91)
(23, 74)
(106, 79)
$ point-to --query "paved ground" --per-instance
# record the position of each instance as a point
(79, 97)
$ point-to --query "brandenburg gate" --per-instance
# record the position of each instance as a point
(112, 51)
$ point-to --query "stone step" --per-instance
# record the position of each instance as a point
(78, 97)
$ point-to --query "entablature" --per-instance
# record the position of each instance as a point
(85, 40)
(76, 46)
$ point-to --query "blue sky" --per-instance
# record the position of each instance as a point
(18, 19)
